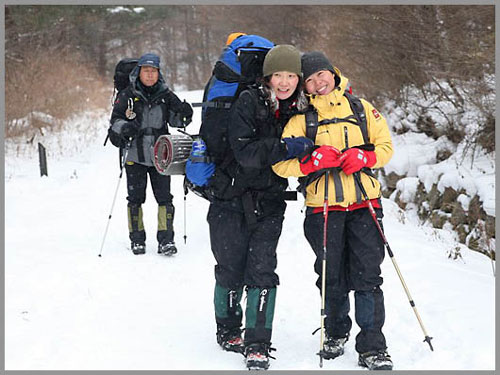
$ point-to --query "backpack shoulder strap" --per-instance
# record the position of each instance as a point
(359, 112)
(311, 123)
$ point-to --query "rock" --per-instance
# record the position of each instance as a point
(490, 226)
(474, 214)
(448, 199)
(434, 198)
(392, 179)
(458, 215)
(462, 231)
(438, 219)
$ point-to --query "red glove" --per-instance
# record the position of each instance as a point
(353, 159)
(322, 157)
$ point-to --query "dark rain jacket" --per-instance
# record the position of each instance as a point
(154, 108)
(254, 136)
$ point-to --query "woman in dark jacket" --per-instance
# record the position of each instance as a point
(245, 225)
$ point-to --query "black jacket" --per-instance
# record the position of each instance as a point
(254, 135)
(154, 107)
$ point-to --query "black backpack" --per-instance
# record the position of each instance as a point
(238, 67)
(122, 72)
(120, 82)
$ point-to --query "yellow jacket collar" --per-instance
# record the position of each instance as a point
(324, 104)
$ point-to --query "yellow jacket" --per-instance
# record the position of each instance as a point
(336, 105)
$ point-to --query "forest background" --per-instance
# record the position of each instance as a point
(59, 61)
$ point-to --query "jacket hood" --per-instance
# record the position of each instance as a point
(324, 103)
(134, 75)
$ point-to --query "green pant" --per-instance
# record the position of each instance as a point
(259, 312)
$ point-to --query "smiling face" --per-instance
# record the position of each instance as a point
(283, 84)
(320, 83)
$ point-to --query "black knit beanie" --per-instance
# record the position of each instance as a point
(313, 62)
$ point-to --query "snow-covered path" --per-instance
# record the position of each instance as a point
(68, 309)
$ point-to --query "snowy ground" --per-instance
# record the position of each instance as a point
(68, 309)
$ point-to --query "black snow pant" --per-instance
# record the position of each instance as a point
(137, 180)
(246, 256)
(354, 253)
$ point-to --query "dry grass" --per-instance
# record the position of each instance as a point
(44, 83)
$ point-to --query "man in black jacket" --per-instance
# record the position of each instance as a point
(140, 115)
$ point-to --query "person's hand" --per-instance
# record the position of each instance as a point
(198, 149)
(130, 129)
(297, 147)
(186, 113)
(199, 173)
(182, 117)
(353, 159)
(321, 158)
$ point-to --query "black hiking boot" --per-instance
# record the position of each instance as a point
(257, 356)
(138, 248)
(376, 360)
(230, 339)
(167, 248)
(333, 348)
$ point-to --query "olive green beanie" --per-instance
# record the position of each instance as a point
(282, 58)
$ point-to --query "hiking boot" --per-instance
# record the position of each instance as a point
(138, 248)
(230, 339)
(376, 360)
(167, 249)
(257, 356)
(333, 348)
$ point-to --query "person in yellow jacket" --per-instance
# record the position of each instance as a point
(354, 247)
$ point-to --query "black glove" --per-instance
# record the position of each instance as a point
(186, 113)
(130, 129)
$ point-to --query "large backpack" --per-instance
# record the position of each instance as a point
(122, 72)
(120, 82)
(238, 67)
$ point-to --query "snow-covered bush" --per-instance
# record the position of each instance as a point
(444, 159)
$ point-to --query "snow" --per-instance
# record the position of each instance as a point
(416, 154)
(408, 187)
(475, 177)
(413, 150)
(68, 309)
(121, 9)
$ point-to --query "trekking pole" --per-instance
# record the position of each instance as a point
(492, 261)
(122, 165)
(323, 274)
(185, 211)
(427, 338)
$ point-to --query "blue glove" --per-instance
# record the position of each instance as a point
(199, 171)
(297, 147)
